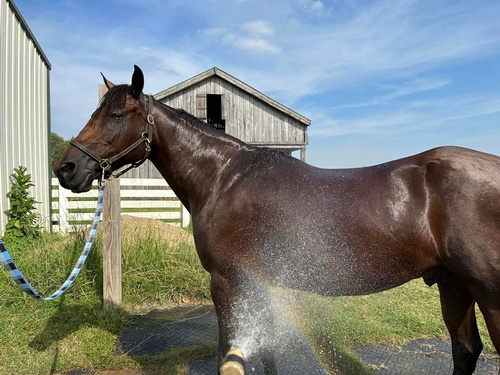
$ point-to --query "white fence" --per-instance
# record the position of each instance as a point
(142, 197)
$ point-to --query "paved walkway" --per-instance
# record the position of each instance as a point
(161, 330)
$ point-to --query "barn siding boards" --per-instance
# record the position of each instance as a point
(250, 115)
(24, 110)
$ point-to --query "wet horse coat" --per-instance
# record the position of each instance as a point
(259, 214)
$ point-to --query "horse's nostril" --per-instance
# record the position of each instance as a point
(67, 167)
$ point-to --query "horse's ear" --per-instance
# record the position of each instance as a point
(137, 82)
(108, 84)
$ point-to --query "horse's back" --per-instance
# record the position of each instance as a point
(424, 210)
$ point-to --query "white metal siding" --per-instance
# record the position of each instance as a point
(24, 113)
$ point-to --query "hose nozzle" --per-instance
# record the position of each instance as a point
(233, 363)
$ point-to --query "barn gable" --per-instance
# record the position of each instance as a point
(238, 109)
(232, 106)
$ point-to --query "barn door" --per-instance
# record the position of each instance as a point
(201, 106)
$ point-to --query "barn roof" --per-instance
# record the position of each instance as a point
(236, 82)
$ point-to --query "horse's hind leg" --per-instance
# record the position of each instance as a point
(489, 304)
(457, 306)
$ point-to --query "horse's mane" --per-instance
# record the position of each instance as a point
(189, 117)
(183, 114)
(114, 96)
(261, 155)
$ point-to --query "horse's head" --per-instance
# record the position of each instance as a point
(111, 138)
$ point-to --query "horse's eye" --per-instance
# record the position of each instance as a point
(116, 116)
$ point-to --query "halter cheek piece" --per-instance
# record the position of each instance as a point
(146, 137)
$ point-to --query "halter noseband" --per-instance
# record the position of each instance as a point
(146, 137)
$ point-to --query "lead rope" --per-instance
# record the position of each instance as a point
(18, 277)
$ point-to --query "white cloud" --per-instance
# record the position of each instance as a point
(386, 41)
(251, 44)
(444, 115)
(316, 6)
(251, 37)
(258, 27)
(328, 127)
(214, 31)
(399, 90)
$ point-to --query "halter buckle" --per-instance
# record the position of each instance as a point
(147, 141)
(105, 165)
(150, 119)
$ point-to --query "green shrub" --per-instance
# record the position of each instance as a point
(23, 220)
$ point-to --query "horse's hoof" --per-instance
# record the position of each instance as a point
(233, 363)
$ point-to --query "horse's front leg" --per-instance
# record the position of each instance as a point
(223, 299)
(243, 316)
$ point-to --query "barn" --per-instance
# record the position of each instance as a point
(232, 106)
(24, 110)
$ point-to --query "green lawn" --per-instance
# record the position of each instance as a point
(74, 332)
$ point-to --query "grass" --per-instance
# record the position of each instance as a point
(74, 332)
(393, 317)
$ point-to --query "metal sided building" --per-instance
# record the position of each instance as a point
(24, 110)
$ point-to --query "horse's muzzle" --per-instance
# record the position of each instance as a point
(78, 180)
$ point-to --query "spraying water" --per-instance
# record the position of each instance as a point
(271, 326)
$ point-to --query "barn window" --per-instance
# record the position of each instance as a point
(209, 108)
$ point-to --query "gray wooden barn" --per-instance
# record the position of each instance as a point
(232, 106)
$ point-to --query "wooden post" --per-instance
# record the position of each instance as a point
(111, 246)
(111, 240)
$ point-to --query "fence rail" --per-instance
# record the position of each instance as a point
(142, 197)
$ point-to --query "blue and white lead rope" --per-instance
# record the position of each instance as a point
(18, 277)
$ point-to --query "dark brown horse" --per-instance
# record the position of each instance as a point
(255, 211)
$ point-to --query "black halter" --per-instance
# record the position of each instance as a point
(146, 137)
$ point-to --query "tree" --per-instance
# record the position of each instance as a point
(58, 145)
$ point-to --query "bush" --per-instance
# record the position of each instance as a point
(23, 221)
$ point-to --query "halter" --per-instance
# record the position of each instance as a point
(146, 137)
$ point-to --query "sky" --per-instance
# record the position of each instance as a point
(379, 79)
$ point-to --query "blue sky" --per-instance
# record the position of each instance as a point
(379, 79)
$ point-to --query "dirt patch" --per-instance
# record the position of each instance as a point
(131, 225)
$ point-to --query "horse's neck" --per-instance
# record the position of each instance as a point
(194, 160)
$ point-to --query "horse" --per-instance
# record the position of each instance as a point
(259, 214)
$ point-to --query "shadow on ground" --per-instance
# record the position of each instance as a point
(185, 338)
(184, 327)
